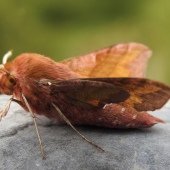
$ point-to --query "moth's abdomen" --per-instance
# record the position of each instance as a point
(112, 116)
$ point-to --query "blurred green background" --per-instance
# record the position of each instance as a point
(62, 29)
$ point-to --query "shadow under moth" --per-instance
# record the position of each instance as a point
(104, 88)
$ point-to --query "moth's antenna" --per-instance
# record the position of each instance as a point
(6, 57)
(36, 127)
(70, 124)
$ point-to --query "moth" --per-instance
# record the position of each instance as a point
(105, 88)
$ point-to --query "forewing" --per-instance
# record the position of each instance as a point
(138, 93)
(122, 60)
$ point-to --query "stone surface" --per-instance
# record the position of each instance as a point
(146, 149)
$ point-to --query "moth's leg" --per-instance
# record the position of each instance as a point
(5, 110)
(22, 105)
(17, 101)
(36, 127)
(70, 124)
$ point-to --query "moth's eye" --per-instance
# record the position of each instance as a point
(7, 83)
(12, 80)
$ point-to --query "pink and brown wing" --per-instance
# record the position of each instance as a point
(138, 93)
(122, 60)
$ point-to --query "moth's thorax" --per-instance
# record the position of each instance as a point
(7, 82)
(35, 66)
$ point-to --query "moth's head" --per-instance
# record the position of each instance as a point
(7, 81)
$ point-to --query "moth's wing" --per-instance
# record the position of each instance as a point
(122, 60)
(79, 91)
(139, 93)
(144, 95)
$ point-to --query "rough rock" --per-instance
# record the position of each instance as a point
(145, 149)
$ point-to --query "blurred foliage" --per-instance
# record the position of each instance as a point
(66, 28)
